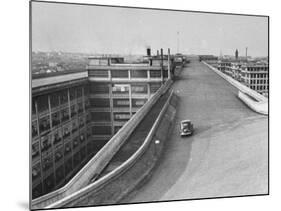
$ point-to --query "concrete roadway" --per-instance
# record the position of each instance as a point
(226, 156)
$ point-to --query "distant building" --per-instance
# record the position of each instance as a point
(256, 76)
(207, 58)
(253, 74)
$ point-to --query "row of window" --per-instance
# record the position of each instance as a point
(60, 172)
(259, 88)
(125, 73)
(257, 75)
(257, 68)
(53, 100)
(258, 81)
(57, 118)
(103, 88)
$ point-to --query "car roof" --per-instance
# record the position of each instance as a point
(184, 121)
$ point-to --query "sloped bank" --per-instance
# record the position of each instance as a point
(131, 173)
(251, 98)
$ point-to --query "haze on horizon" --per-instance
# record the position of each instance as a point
(114, 30)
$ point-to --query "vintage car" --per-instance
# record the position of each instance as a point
(186, 128)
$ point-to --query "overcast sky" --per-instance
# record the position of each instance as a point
(97, 29)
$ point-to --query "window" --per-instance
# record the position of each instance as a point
(37, 191)
(44, 124)
(101, 116)
(138, 102)
(64, 115)
(47, 162)
(88, 118)
(45, 143)
(76, 159)
(54, 99)
(138, 73)
(99, 73)
(73, 110)
(63, 97)
(119, 74)
(72, 94)
(121, 103)
(67, 149)
(59, 154)
(122, 116)
(68, 166)
(165, 73)
(74, 126)
(120, 89)
(79, 92)
(99, 88)
(55, 119)
(81, 122)
(33, 107)
(100, 102)
(36, 171)
(42, 103)
(155, 73)
(82, 138)
(57, 137)
(83, 153)
(101, 130)
(66, 131)
(75, 142)
(49, 183)
(59, 174)
(142, 89)
(80, 107)
(34, 128)
(35, 151)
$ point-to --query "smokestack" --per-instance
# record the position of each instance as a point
(148, 51)
(157, 52)
(161, 63)
(169, 71)
(246, 53)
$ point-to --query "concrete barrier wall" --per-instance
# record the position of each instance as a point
(259, 104)
(101, 159)
(94, 193)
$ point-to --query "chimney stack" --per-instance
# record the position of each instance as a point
(148, 51)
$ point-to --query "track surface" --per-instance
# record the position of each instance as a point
(226, 156)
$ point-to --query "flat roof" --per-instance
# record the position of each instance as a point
(39, 82)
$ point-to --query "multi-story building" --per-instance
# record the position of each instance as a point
(255, 76)
(60, 138)
(74, 114)
(118, 90)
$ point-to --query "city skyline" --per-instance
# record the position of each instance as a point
(114, 30)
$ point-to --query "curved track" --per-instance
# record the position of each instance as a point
(226, 156)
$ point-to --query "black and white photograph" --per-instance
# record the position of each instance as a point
(134, 105)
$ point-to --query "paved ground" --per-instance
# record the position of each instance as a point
(226, 156)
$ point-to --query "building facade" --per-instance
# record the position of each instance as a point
(75, 114)
(256, 77)
(253, 74)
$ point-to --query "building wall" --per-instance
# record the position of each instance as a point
(73, 122)
(61, 142)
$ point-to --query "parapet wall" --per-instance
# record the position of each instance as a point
(95, 166)
(251, 98)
